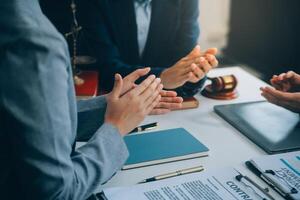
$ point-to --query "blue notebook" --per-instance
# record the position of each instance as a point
(161, 147)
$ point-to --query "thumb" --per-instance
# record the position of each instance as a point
(212, 51)
(196, 52)
(116, 92)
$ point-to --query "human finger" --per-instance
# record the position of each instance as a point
(281, 76)
(153, 104)
(280, 95)
(275, 78)
(187, 69)
(212, 60)
(269, 97)
(212, 51)
(290, 100)
(194, 78)
(272, 99)
(166, 93)
(172, 99)
(196, 52)
(198, 72)
(169, 105)
(116, 92)
(138, 73)
(188, 62)
(159, 111)
(151, 92)
(205, 65)
(290, 74)
(144, 85)
(277, 84)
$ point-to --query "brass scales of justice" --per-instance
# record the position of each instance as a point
(77, 60)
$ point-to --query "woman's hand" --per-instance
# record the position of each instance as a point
(127, 110)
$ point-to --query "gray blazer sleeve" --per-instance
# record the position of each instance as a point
(39, 110)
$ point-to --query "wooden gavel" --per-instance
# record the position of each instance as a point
(221, 88)
(223, 83)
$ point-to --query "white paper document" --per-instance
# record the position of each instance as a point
(215, 185)
(282, 169)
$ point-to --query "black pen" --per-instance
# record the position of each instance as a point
(265, 191)
(145, 127)
(274, 186)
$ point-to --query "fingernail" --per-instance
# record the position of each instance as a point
(152, 76)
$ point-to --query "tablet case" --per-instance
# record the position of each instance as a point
(271, 127)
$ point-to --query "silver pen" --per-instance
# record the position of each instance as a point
(173, 174)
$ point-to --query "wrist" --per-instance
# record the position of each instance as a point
(115, 124)
(164, 80)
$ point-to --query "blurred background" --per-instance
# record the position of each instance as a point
(262, 36)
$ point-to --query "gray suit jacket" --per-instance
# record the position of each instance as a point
(38, 115)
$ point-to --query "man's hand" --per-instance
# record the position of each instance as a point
(287, 100)
(287, 82)
(169, 101)
(127, 110)
(191, 68)
(205, 63)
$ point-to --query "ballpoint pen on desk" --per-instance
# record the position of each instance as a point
(269, 176)
(280, 182)
(173, 174)
(145, 127)
(265, 191)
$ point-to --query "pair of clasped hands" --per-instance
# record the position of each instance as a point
(285, 91)
(128, 103)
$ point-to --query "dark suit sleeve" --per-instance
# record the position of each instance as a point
(38, 97)
(188, 35)
(90, 117)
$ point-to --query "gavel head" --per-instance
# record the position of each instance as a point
(226, 83)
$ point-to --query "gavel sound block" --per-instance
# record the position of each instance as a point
(221, 88)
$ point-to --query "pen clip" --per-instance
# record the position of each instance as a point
(150, 128)
(253, 185)
(292, 190)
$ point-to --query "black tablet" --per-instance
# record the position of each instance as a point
(271, 127)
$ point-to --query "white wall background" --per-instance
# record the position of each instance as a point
(214, 23)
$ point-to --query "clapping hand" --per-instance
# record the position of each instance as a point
(286, 91)
(126, 110)
(191, 68)
(169, 99)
